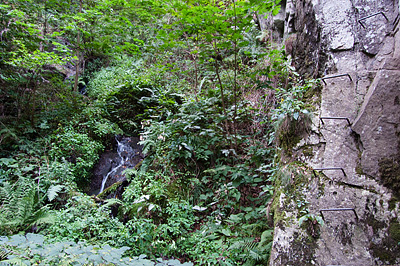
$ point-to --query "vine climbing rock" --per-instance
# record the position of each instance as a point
(355, 44)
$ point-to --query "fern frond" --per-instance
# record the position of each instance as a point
(20, 205)
(15, 261)
(111, 202)
(53, 191)
(3, 253)
(41, 216)
(244, 245)
(256, 255)
(254, 252)
(6, 192)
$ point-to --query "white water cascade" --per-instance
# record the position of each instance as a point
(126, 159)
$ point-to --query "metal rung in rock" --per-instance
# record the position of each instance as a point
(336, 76)
(329, 168)
(337, 118)
(337, 209)
(396, 21)
(373, 15)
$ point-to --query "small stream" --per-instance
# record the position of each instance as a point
(126, 154)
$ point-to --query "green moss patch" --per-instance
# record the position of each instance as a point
(389, 249)
(390, 174)
(110, 190)
(394, 230)
(302, 251)
(308, 151)
(290, 131)
(392, 203)
(389, 168)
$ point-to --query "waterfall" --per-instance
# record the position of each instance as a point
(127, 156)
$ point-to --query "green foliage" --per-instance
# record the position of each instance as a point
(57, 178)
(128, 94)
(78, 149)
(54, 191)
(93, 121)
(21, 206)
(311, 218)
(254, 252)
(195, 131)
(34, 60)
(32, 249)
(82, 220)
(203, 190)
(107, 79)
(291, 99)
(311, 222)
(292, 118)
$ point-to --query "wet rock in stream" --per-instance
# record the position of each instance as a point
(127, 154)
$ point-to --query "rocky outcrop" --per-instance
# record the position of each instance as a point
(308, 51)
(359, 196)
(112, 163)
(378, 121)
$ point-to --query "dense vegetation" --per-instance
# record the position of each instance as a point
(212, 98)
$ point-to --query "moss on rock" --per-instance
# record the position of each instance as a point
(290, 131)
(392, 203)
(110, 190)
(390, 173)
(394, 230)
(389, 169)
(389, 248)
(308, 151)
(302, 251)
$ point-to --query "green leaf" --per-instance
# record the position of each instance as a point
(53, 191)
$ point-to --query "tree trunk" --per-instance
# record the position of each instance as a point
(78, 40)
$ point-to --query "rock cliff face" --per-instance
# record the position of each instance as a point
(354, 45)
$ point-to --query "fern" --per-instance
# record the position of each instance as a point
(244, 245)
(20, 206)
(41, 216)
(7, 133)
(3, 254)
(110, 202)
(266, 237)
(53, 191)
(254, 252)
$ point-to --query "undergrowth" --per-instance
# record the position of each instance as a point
(208, 99)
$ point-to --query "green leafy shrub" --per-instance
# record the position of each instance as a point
(129, 94)
(106, 81)
(58, 173)
(195, 132)
(83, 220)
(93, 121)
(78, 149)
(292, 119)
(32, 249)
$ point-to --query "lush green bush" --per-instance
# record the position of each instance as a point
(93, 121)
(192, 156)
(128, 94)
(78, 149)
(32, 249)
(82, 220)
